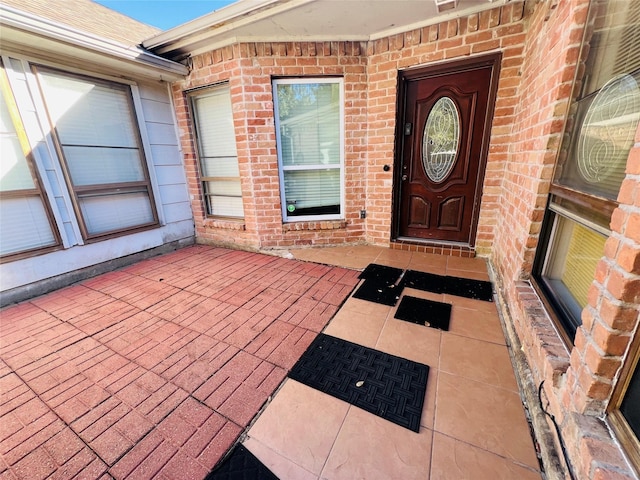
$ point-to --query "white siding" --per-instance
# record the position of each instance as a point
(164, 159)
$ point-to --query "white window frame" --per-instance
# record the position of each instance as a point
(282, 168)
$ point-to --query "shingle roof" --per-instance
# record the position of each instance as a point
(89, 17)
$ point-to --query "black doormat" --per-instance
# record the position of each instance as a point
(462, 287)
(379, 292)
(383, 273)
(424, 312)
(387, 386)
(381, 284)
(241, 465)
(467, 287)
(427, 282)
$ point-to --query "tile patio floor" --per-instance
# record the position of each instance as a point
(157, 369)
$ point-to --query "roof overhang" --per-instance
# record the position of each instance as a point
(308, 20)
(34, 36)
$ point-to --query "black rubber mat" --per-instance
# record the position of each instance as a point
(462, 287)
(427, 282)
(388, 386)
(381, 284)
(383, 273)
(467, 287)
(424, 312)
(379, 292)
(241, 465)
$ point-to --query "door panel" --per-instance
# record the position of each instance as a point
(441, 153)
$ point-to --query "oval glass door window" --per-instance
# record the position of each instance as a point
(441, 140)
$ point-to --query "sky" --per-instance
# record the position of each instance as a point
(164, 14)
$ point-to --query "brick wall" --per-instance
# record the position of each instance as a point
(249, 69)
(579, 382)
(501, 29)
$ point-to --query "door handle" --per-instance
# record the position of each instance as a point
(404, 178)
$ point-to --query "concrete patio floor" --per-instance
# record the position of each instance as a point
(156, 370)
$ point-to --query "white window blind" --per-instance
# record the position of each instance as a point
(219, 170)
(99, 140)
(309, 136)
(24, 222)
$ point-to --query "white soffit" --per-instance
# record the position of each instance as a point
(33, 36)
(305, 20)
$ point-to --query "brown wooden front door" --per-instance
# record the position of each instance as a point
(442, 140)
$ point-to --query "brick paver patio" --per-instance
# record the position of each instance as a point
(154, 370)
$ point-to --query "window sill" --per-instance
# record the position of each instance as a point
(319, 225)
(224, 224)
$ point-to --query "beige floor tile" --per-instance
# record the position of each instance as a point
(487, 417)
(468, 274)
(470, 303)
(394, 258)
(477, 264)
(477, 360)
(368, 308)
(301, 424)
(428, 262)
(413, 292)
(427, 418)
(474, 324)
(280, 466)
(454, 460)
(371, 448)
(408, 340)
(357, 327)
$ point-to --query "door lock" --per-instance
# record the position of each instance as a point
(404, 178)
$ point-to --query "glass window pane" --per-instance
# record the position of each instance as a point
(106, 213)
(224, 187)
(214, 123)
(225, 206)
(602, 140)
(24, 225)
(440, 140)
(85, 112)
(14, 170)
(99, 165)
(213, 117)
(220, 167)
(629, 406)
(309, 123)
(311, 192)
(569, 269)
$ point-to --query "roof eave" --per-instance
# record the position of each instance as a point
(16, 19)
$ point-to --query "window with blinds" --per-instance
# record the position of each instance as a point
(216, 140)
(309, 130)
(607, 108)
(25, 220)
(98, 142)
(603, 119)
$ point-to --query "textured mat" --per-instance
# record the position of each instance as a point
(388, 386)
(379, 292)
(241, 465)
(381, 284)
(383, 273)
(424, 312)
(462, 287)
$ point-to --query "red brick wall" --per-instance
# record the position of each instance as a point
(249, 69)
(501, 29)
(370, 75)
(579, 381)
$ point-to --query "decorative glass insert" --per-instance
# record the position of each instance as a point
(441, 139)
(608, 130)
